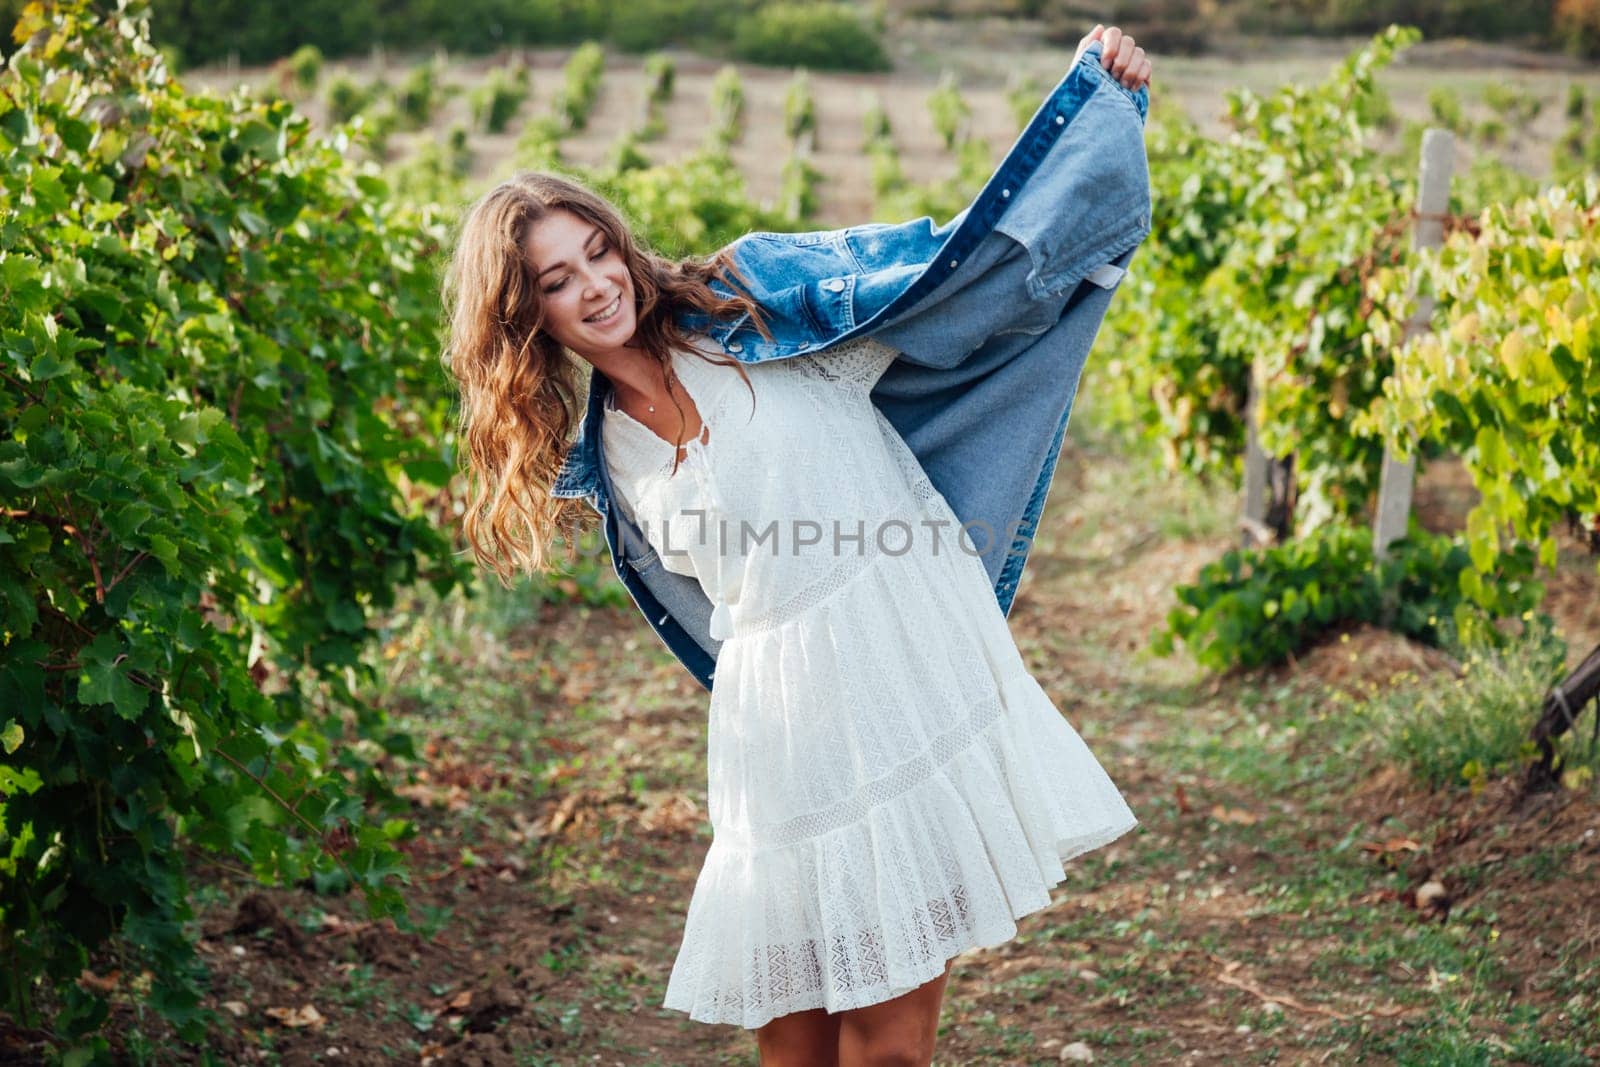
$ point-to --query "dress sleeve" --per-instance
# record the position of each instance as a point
(860, 362)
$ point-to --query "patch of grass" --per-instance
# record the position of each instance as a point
(1008, 1040)
(1546, 864)
(1461, 731)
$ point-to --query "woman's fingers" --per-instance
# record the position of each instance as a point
(1109, 40)
(1119, 54)
(1137, 72)
(1125, 50)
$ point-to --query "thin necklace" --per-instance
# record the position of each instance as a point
(664, 381)
(668, 378)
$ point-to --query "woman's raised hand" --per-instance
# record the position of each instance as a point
(1118, 54)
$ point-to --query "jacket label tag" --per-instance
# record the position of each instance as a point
(1106, 275)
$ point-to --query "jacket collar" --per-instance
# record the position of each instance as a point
(579, 474)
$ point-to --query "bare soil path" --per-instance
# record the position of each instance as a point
(1265, 911)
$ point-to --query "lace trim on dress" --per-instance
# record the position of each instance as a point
(906, 776)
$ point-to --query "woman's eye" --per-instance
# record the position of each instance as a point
(601, 253)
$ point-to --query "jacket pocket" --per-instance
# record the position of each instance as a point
(829, 304)
(804, 281)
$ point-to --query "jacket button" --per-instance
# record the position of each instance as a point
(735, 346)
(834, 285)
(1005, 192)
(953, 264)
(1060, 120)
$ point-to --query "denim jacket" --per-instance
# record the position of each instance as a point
(994, 313)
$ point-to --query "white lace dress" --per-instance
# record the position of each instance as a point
(887, 784)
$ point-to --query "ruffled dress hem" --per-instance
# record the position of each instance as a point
(898, 893)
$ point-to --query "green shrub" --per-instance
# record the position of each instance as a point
(1259, 246)
(1375, 109)
(346, 98)
(418, 95)
(260, 33)
(974, 163)
(539, 145)
(1515, 105)
(1258, 607)
(376, 126)
(693, 206)
(626, 155)
(661, 75)
(1445, 107)
(1024, 94)
(875, 121)
(458, 149)
(642, 25)
(949, 110)
(727, 107)
(823, 36)
(799, 107)
(306, 66)
(937, 199)
(495, 101)
(436, 172)
(819, 35)
(222, 450)
(1566, 154)
(887, 175)
(580, 85)
(799, 184)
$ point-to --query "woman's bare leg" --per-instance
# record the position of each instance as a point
(800, 1039)
(896, 1033)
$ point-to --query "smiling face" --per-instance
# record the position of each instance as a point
(584, 284)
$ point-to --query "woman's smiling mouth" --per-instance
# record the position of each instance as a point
(609, 313)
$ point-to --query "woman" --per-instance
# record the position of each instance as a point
(887, 784)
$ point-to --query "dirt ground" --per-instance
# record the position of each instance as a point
(1276, 905)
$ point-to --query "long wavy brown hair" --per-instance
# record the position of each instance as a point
(522, 392)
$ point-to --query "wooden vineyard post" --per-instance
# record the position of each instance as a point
(1268, 481)
(1433, 202)
(1252, 525)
